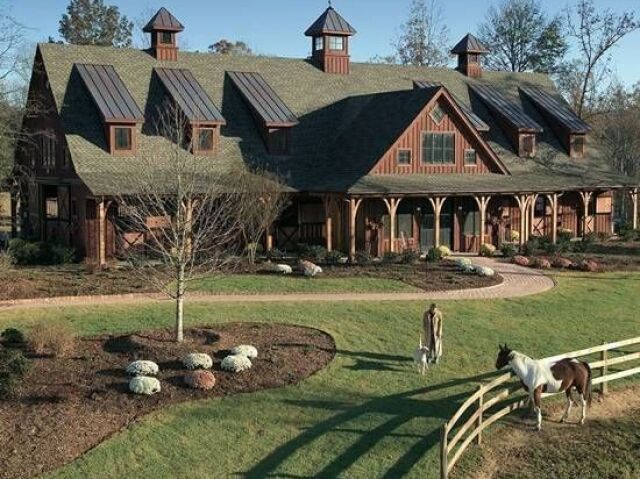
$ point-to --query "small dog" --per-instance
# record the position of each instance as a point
(421, 357)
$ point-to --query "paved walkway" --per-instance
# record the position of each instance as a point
(518, 281)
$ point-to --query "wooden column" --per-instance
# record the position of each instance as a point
(553, 201)
(532, 214)
(436, 203)
(482, 201)
(392, 208)
(586, 198)
(354, 204)
(102, 233)
(522, 201)
(328, 202)
(635, 194)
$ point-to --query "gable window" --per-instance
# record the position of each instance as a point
(438, 148)
(404, 157)
(166, 38)
(318, 43)
(470, 157)
(205, 139)
(123, 138)
(336, 43)
(48, 150)
(437, 114)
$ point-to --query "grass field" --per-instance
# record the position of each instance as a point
(369, 414)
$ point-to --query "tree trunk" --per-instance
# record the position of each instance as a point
(180, 287)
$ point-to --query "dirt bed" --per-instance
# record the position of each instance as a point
(66, 406)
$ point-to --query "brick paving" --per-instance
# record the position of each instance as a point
(517, 281)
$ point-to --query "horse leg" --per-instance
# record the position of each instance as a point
(583, 403)
(537, 400)
(568, 408)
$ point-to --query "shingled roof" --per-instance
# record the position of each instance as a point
(469, 44)
(163, 20)
(329, 109)
(330, 22)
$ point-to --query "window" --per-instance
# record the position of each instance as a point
(438, 148)
(473, 58)
(577, 146)
(336, 43)
(66, 157)
(437, 114)
(404, 157)
(123, 138)
(540, 206)
(205, 139)
(48, 150)
(166, 38)
(51, 207)
(470, 157)
(318, 43)
(528, 144)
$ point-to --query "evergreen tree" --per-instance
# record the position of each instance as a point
(91, 22)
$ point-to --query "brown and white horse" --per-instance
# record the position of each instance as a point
(541, 376)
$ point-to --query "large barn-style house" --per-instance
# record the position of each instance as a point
(377, 158)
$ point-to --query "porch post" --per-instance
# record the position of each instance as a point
(328, 222)
(482, 201)
(437, 203)
(586, 198)
(354, 204)
(532, 214)
(522, 201)
(553, 201)
(102, 233)
(269, 240)
(635, 194)
(392, 208)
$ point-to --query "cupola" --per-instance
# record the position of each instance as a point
(330, 42)
(164, 29)
(469, 51)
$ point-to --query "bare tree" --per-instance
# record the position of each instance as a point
(264, 200)
(225, 47)
(424, 38)
(595, 33)
(189, 214)
(521, 38)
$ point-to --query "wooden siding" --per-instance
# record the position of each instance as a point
(411, 139)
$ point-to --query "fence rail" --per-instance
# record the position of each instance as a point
(499, 390)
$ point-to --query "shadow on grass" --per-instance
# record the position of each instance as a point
(401, 409)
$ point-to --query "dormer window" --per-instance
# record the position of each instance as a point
(527, 145)
(123, 138)
(437, 114)
(336, 43)
(166, 38)
(318, 43)
(577, 146)
(205, 139)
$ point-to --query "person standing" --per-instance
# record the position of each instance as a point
(432, 327)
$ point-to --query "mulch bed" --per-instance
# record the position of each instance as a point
(66, 406)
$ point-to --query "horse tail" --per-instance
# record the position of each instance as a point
(588, 390)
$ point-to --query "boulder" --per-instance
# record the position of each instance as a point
(197, 361)
(520, 260)
(279, 268)
(309, 269)
(204, 380)
(589, 266)
(143, 368)
(560, 262)
(144, 385)
(542, 263)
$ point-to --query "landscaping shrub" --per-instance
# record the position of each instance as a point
(531, 247)
(204, 380)
(520, 260)
(508, 250)
(54, 339)
(246, 350)
(462, 262)
(565, 235)
(468, 268)
(333, 257)
(314, 253)
(309, 269)
(236, 363)
(484, 271)
(12, 336)
(391, 257)
(627, 233)
(143, 368)
(363, 257)
(13, 367)
(589, 266)
(487, 250)
(197, 361)
(275, 254)
(437, 253)
(541, 263)
(410, 256)
(514, 236)
(560, 262)
(24, 252)
(144, 385)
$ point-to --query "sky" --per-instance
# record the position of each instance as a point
(275, 27)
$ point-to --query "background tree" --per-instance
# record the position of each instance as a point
(226, 47)
(521, 38)
(424, 39)
(595, 34)
(91, 22)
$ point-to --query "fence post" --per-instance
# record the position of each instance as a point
(480, 406)
(604, 388)
(444, 465)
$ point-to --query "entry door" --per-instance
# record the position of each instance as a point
(427, 227)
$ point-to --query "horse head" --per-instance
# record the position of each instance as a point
(504, 356)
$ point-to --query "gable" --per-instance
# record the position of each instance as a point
(454, 122)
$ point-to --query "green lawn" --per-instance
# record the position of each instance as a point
(368, 414)
(266, 284)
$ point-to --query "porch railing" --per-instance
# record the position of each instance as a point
(456, 439)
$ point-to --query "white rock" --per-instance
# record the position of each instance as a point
(144, 385)
(236, 363)
(143, 368)
(197, 361)
(309, 269)
(246, 350)
(279, 268)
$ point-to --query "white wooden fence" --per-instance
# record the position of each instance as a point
(456, 439)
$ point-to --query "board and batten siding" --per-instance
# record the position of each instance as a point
(411, 139)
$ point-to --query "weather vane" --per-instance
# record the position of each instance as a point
(330, 3)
